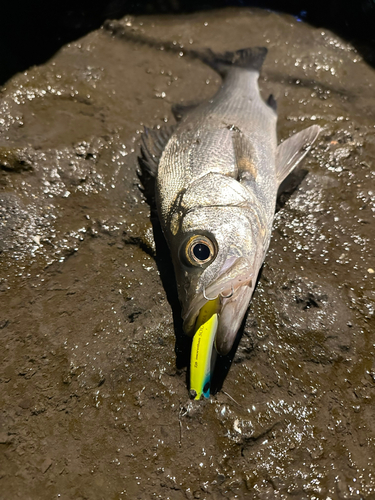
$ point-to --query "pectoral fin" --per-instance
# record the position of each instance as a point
(244, 154)
(290, 152)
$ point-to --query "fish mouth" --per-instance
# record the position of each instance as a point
(234, 288)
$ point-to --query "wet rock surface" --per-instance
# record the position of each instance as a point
(93, 404)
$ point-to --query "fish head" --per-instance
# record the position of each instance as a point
(215, 254)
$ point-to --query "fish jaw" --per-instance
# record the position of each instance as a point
(232, 312)
(234, 288)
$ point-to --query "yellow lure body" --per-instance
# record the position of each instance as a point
(201, 349)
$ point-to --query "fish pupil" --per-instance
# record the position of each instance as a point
(201, 251)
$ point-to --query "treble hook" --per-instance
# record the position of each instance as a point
(208, 298)
(223, 296)
(228, 296)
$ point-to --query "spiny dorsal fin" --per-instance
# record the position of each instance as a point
(153, 142)
(290, 152)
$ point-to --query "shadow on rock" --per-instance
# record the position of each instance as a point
(165, 268)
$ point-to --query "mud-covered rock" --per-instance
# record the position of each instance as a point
(93, 393)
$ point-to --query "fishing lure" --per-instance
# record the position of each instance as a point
(203, 353)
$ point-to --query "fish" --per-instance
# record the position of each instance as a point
(217, 171)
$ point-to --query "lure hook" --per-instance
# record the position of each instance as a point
(230, 294)
(208, 298)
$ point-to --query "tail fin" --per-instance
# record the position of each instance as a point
(250, 59)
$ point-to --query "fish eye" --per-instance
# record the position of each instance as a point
(199, 250)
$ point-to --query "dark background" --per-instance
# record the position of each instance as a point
(32, 31)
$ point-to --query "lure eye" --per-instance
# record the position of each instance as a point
(199, 250)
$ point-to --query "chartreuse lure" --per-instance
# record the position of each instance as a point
(202, 349)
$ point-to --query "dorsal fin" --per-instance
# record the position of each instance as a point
(153, 142)
(290, 152)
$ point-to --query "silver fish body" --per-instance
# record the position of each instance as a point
(216, 185)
